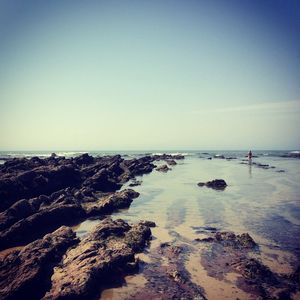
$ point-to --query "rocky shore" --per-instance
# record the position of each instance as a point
(43, 258)
(40, 197)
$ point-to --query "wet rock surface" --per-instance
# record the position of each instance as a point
(59, 266)
(171, 162)
(227, 253)
(292, 154)
(22, 178)
(25, 274)
(108, 250)
(135, 183)
(163, 168)
(167, 277)
(168, 157)
(108, 204)
(81, 269)
(217, 184)
(259, 165)
(38, 196)
(38, 224)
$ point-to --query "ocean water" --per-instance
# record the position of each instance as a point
(265, 202)
(132, 153)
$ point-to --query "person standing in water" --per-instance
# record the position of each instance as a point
(250, 155)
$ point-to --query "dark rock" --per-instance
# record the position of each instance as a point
(102, 181)
(220, 156)
(168, 156)
(39, 195)
(135, 183)
(209, 228)
(163, 168)
(135, 167)
(36, 225)
(148, 223)
(16, 212)
(84, 159)
(110, 203)
(166, 244)
(25, 274)
(42, 180)
(252, 269)
(205, 240)
(28, 178)
(237, 241)
(294, 154)
(171, 280)
(107, 251)
(233, 253)
(171, 162)
(263, 166)
(217, 184)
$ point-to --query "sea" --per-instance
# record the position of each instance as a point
(262, 198)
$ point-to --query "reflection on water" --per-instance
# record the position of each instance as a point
(252, 204)
(250, 168)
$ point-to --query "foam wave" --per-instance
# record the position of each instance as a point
(171, 153)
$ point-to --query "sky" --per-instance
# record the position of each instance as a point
(155, 74)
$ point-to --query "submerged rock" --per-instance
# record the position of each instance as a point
(217, 184)
(169, 280)
(171, 162)
(107, 251)
(25, 274)
(168, 156)
(227, 253)
(163, 168)
(220, 156)
(293, 154)
(237, 241)
(148, 223)
(135, 183)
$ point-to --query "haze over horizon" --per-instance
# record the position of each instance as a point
(142, 75)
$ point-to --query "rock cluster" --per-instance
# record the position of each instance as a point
(163, 168)
(38, 196)
(109, 249)
(217, 184)
(240, 254)
(46, 268)
(24, 274)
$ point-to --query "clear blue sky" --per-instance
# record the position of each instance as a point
(159, 74)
